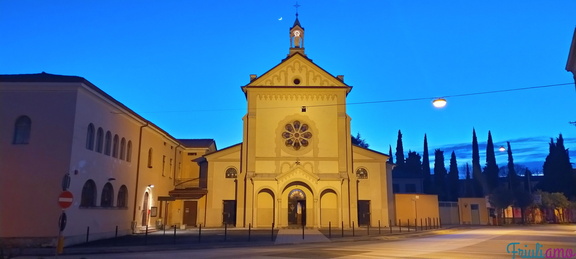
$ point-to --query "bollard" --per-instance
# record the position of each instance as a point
(342, 228)
(199, 233)
(440, 223)
(400, 225)
(415, 225)
(174, 233)
(390, 224)
(115, 237)
(408, 220)
(329, 229)
(225, 231)
(379, 228)
(87, 233)
(249, 230)
(302, 231)
(146, 236)
(421, 225)
(353, 228)
(272, 235)
(368, 228)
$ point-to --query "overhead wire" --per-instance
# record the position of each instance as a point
(381, 101)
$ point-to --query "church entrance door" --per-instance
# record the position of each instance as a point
(363, 213)
(296, 208)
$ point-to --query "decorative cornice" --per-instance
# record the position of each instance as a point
(297, 97)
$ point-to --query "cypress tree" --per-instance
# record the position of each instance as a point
(391, 158)
(453, 179)
(478, 181)
(428, 187)
(512, 175)
(440, 175)
(469, 186)
(399, 150)
(528, 181)
(491, 169)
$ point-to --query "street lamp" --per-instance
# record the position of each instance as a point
(415, 200)
(439, 103)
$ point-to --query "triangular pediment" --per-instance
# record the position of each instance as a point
(297, 172)
(297, 71)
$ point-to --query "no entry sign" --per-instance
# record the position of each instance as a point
(65, 199)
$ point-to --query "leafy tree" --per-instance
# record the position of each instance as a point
(440, 175)
(558, 173)
(501, 198)
(428, 187)
(413, 165)
(556, 202)
(491, 169)
(523, 199)
(479, 183)
(399, 150)
(453, 179)
(358, 141)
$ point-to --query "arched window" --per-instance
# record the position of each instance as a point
(99, 140)
(115, 146)
(231, 173)
(88, 194)
(129, 151)
(122, 201)
(150, 158)
(90, 137)
(123, 148)
(361, 173)
(107, 143)
(22, 129)
(107, 198)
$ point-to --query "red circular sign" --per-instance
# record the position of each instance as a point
(65, 199)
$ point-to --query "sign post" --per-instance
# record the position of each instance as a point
(65, 200)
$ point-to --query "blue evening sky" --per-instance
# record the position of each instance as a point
(180, 64)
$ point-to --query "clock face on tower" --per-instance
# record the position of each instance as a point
(297, 33)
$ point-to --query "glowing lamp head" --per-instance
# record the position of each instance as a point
(439, 103)
(502, 149)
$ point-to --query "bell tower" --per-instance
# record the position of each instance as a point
(296, 36)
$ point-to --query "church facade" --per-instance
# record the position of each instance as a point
(296, 164)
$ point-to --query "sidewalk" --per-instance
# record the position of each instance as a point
(219, 238)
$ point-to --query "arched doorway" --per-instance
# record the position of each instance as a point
(296, 208)
(145, 210)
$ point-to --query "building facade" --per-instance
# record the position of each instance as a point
(295, 166)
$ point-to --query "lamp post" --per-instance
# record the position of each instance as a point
(415, 199)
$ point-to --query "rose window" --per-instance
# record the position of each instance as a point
(296, 135)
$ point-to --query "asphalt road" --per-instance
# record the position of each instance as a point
(546, 241)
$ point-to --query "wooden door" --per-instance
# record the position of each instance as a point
(363, 213)
(229, 213)
(190, 213)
